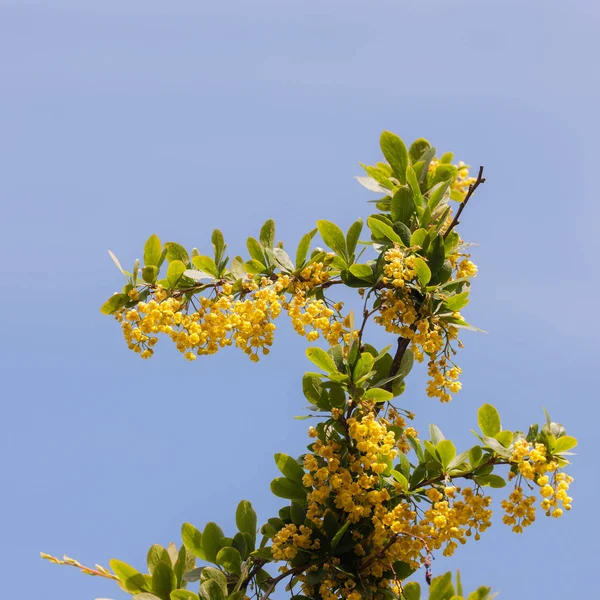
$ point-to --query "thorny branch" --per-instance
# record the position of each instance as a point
(480, 179)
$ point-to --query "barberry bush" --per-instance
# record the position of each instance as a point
(372, 500)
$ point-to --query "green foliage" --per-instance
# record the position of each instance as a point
(364, 460)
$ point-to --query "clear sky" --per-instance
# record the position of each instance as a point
(123, 118)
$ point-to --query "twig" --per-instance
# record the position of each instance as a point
(480, 179)
(403, 344)
(277, 579)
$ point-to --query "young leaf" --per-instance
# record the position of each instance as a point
(289, 467)
(333, 236)
(423, 272)
(163, 580)
(488, 420)
(206, 264)
(245, 519)
(192, 539)
(152, 251)
(131, 579)
(218, 244)
(255, 249)
(267, 234)
(352, 237)
(395, 153)
(114, 303)
(183, 595)
(378, 395)
(563, 444)
(156, 554)
(211, 541)
(320, 358)
(230, 559)
(175, 271)
(283, 487)
(417, 148)
(457, 301)
(176, 252)
(446, 451)
(303, 248)
(382, 231)
(402, 205)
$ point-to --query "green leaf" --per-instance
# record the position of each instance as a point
(406, 363)
(395, 153)
(383, 231)
(155, 555)
(311, 386)
(283, 259)
(361, 271)
(437, 193)
(145, 596)
(218, 244)
(401, 479)
(245, 519)
(352, 237)
(337, 538)
(413, 182)
(289, 467)
(230, 559)
(131, 579)
(563, 444)
(441, 587)
(496, 446)
(481, 593)
(457, 301)
(403, 231)
(446, 451)
(267, 234)
(319, 357)
(494, 481)
(163, 580)
(436, 435)
(149, 274)
(211, 541)
(176, 252)
(212, 574)
(264, 553)
(192, 539)
(255, 249)
(183, 595)
(333, 236)
(378, 395)
(240, 544)
(417, 148)
(412, 591)
(114, 303)
(175, 272)
(402, 205)
(475, 454)
(211, 590)
(206, 264)
(418, 237)
(152, 251)
(436, 254)
(423, 272)
(283, 487)
(303, 248)
(489, 420)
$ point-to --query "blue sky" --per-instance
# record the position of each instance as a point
(120, 119)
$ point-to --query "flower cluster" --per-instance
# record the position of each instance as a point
(352, 476)
(205, 325)
(535, 464)
(216, 323)
(430, 335)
